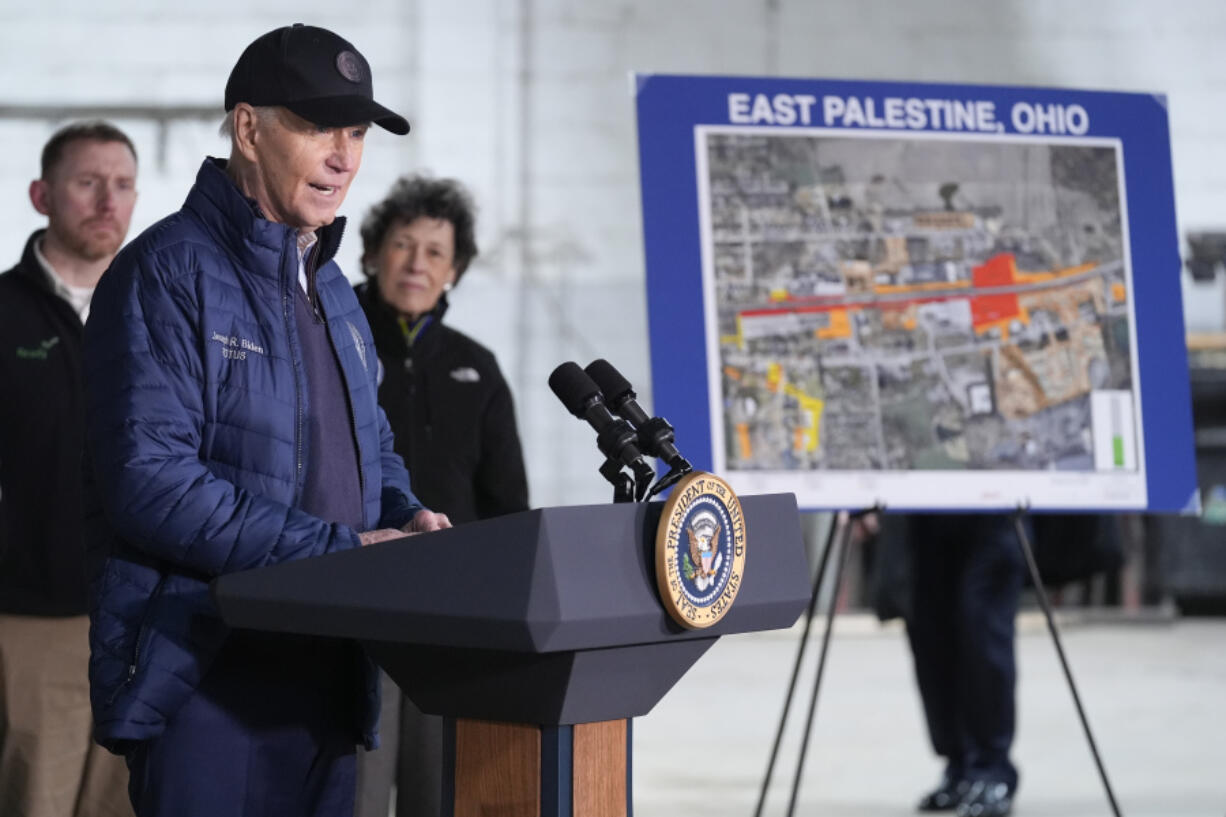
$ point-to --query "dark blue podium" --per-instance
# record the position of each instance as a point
(537, 636)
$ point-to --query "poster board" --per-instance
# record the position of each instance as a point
(917, 296)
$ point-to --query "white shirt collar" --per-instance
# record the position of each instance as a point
(77, 297)
(305, 242)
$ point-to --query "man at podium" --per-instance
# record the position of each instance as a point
(233, 423)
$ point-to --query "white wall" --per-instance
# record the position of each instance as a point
(530, 104)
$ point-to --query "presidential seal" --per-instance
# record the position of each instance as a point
(700, 550)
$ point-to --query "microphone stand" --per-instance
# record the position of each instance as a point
(679, 469)
(623, 483)
(631, 489)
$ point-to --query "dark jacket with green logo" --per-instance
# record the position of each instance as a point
(42, 557)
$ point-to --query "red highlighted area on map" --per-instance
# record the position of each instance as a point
(988, 311)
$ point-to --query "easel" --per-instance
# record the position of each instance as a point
(838, 539)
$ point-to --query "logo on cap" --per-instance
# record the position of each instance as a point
(349, 66)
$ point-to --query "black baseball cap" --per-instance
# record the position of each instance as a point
(314, 73)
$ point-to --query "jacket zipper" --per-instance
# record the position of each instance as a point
(141, 632)
(295, 357)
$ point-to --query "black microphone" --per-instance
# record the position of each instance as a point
(655, 435)
(582, 398)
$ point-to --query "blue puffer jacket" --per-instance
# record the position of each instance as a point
(195, 413)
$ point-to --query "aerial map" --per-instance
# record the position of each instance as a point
(920, 303)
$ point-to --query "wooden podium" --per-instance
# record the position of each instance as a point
(538, 636)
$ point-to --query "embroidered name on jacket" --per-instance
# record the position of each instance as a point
(234, 347)
(465, 374)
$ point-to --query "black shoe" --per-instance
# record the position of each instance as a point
(946, 796)
(986, 798)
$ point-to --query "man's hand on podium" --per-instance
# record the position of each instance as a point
(425, 521)
(381, 535)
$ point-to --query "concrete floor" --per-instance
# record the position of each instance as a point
(1155, 695)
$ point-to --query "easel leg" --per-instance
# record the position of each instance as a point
(800, 654)
(844, 525)
(1041, 594)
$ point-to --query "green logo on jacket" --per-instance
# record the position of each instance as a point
(38, 352)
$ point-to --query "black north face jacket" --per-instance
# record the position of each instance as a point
(451, 412)
(42, 553)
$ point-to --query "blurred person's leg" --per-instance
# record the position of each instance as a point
(990, 590)
(931, 630)
(377, 769)
(419, 783)
(49, 764)
(935, 555)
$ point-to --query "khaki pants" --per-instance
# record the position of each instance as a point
(49, 765)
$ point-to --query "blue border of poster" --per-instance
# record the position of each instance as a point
(671, 107)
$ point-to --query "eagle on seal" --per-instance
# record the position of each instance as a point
(703, 533)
